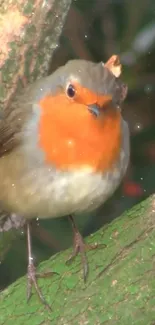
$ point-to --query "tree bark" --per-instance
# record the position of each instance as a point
(29, 34)
(121, 284)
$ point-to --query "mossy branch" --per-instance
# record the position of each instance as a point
(121, 285)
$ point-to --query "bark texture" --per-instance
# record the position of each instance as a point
(29, 34)
(121, 285)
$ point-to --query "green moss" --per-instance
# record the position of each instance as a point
(8, 70)
(28, 7)
(120, 287)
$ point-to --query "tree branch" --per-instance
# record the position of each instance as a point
(120, 287)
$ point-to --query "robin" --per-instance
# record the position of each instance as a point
(64, 147)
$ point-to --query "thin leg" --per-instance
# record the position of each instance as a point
(31, 272)
(79, 246)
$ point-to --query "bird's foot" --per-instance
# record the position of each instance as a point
(32, 277)
(79, 246)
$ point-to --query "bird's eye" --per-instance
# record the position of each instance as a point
(71, 91)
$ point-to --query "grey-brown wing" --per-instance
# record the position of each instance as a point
(10, 124)
(12, 119)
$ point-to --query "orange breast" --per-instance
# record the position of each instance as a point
(72, 138)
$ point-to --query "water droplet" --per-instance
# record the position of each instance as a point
(138, 126)
(148, 89)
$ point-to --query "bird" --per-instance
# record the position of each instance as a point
(64, 147)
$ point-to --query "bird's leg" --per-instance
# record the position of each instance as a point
(32, 276)
(80, 247)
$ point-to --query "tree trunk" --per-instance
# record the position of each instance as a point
(29, 34)
(121, 284)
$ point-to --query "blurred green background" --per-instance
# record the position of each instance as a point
(95, 30)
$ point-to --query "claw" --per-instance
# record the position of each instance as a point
(32, 276)
(32, 280)
(80, 247)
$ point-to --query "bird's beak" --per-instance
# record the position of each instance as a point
(94, 109)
